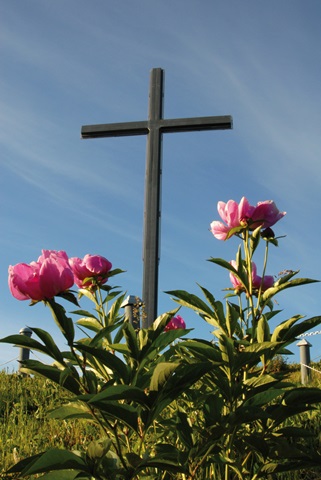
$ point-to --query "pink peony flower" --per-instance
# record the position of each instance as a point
(268, 280)
(267, 214)
(94, 268)
(233, 214)
(175, 323)
(43, 279)
(24, 281)
(264, 214)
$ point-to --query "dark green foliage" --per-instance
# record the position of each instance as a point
(161, 405)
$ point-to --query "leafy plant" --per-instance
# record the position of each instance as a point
(169, 406)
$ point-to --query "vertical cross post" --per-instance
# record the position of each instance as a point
(154, 128)
(152, 208)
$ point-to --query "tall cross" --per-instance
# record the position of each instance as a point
(154, 128)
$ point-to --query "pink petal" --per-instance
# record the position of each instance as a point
(219, 230)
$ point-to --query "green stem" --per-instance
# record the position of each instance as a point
(248, 263)
(266, 254)
(102, 309)
(100, 306)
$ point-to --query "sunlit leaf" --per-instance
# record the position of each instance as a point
(90, 323)
(120, 392)
(71, 410)
(191, 301)
(161, 373)
(271, 292)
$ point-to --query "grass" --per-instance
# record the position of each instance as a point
(24, 427)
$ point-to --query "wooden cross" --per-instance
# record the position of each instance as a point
(154, 128)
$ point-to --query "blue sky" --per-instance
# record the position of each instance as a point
(70, 63)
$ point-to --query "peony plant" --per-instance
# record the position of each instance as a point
(169, 405)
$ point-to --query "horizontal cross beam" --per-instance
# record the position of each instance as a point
(174, 125)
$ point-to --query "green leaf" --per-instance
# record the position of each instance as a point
(70, 411)
(50, 344)
(262, 381)
(98, 448)
(281, 330)
(113, 314)
(163, 464)
(173, 385)
(156, 342)
(112, 293)
(227, 350)
(114, 272)
(120, 392)
(232, 317)
(161, 321)
(201, 349)
(271, 292)
(251, 354)
(66, 475)
(91, 381)
(27, 342)
(295, 432)
(216, 305)
(83, 313)
(69, 296)
(255, 239)
(263, 398)
(108, 359)
(223, 263)
(110, 465)
(50, 372)
(285, 278)
(234, 231)
(120, 348)
(300, 328)
(257, 443)
(104, 334)
(239, 273)
(213, 408)
(303, 395)
(160, 375)
(261, 348)
(52, 460)
(64, 323)
(133, 459)
(263, 330)
(126, 414)
(288, 332)
(184, 429)
(91, 323)
(131, 340)
(191, 301)
(88, 294)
